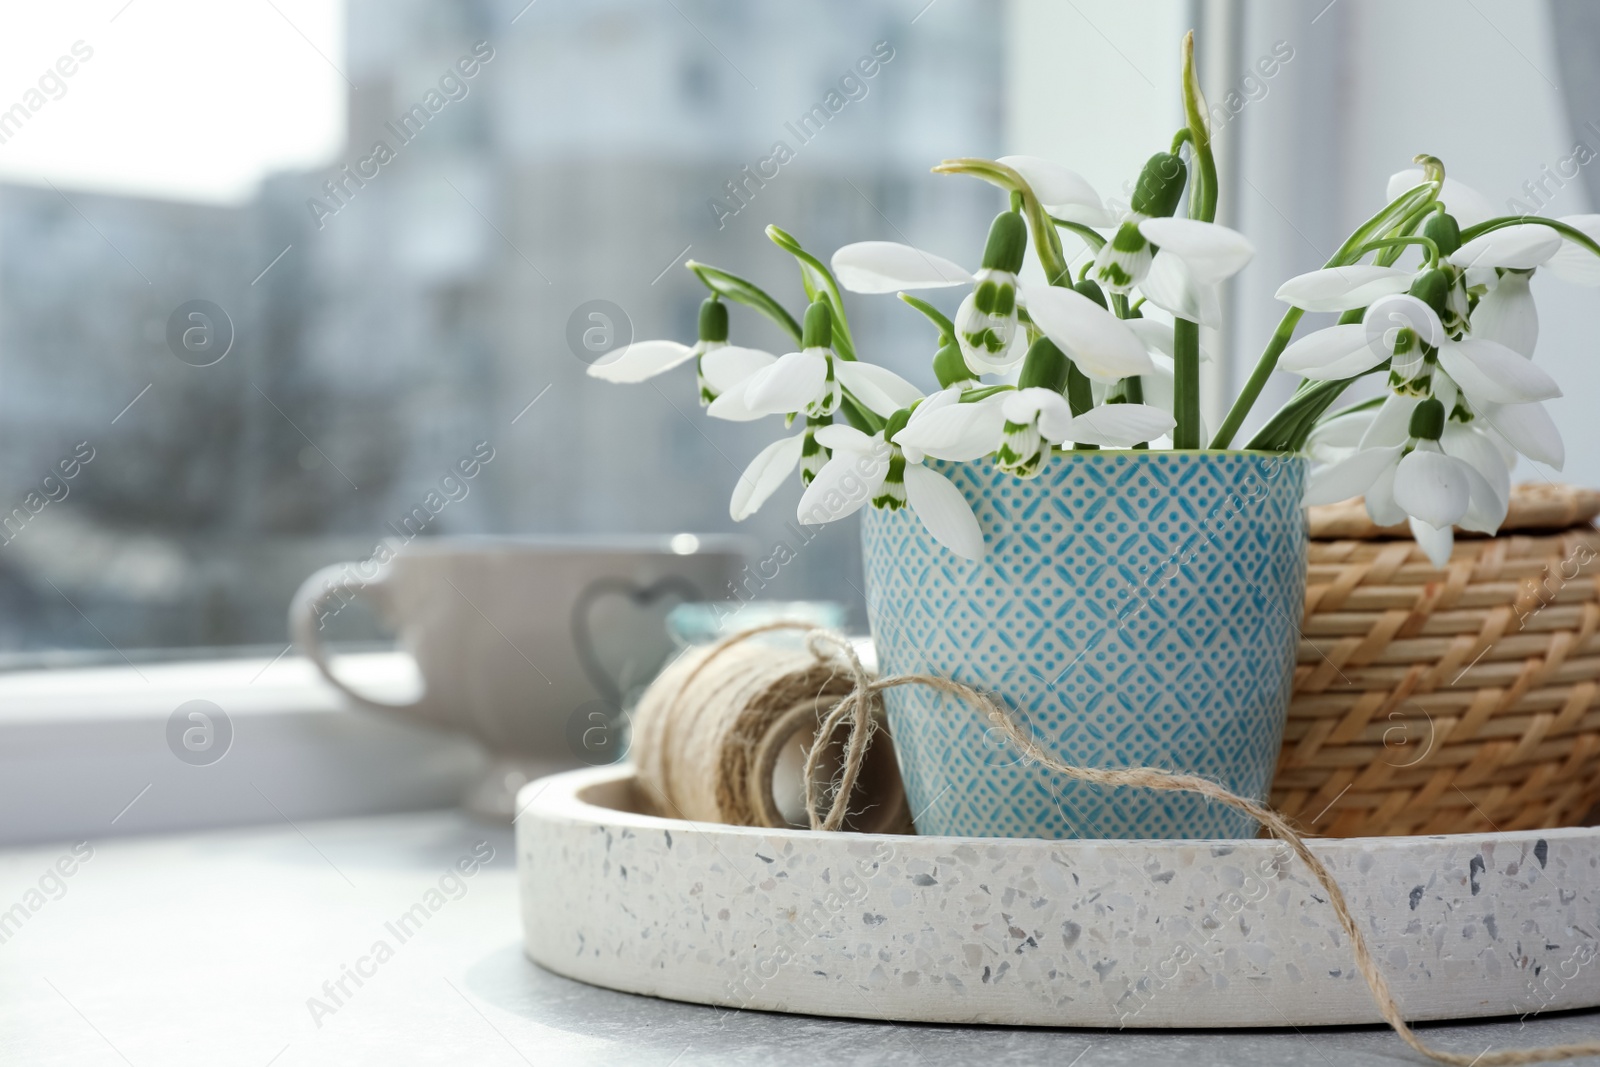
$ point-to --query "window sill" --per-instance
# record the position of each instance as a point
(84, 753)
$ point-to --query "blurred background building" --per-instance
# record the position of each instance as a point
(419, 311)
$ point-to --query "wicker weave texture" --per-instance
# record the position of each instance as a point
(1432, 701)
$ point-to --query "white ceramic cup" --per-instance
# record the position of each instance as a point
(522, 643)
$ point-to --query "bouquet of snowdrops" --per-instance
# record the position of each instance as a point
(1433, 295)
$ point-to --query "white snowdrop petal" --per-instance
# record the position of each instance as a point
(882, 390)
(1507, 314)
(1435, 542)
(1332, 353)
(1099, 343)
(1349, 477)
(887, 266)
(1381, 507)
(1392, 424)
(841, 487)
(724, 368)
(1023, 405)
(1343, 288)
(1466, 204)
(1575, 263)
(640, 361)
(731, 406)
(1120, 425)
(791, 383)
(1402, 311)
(839, 435)
(1213, 253)
(1064, 193)
(1171, 286)
(1529, 429)
(957, 432)
(1432, 487)
(1486, 509)
(1489, 372)
(771, 467)
(1333, 439)
(1514, 247)
(944, 511)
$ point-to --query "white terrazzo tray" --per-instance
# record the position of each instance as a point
(1048, 933)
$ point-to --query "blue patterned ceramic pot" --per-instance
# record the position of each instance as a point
(1133, 609)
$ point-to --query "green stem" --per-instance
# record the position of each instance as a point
(1089, 236)
(819, 281)
(859, 415)
(1400, 207)
(1046, 242)
(947, 329)
(1186, 383)
(1399, 243)
(1080, 397)
(1203, 207)
(747, 293)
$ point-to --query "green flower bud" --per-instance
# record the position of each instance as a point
(1091, 289)
(950, 366)
(1432, 287)
(1160, 185)
(818, 330)
(1044, 368)
(1442, 230)
(896, 423)
(1427, 420)
(1008, 240)
(713, 320)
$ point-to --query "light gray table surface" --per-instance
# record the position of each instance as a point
(208, 948)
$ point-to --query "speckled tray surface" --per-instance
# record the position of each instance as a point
(1048, 933)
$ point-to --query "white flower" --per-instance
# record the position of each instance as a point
(771, 467)
(1101, 345)
(1394, 327)
(942, 427)
(1037, 419)
(1506, 313)
(1063, 193)
(867, 469)
(1437, 476)
(986, 322)
(1195, 258)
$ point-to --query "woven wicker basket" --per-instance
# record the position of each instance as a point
(1448, 701)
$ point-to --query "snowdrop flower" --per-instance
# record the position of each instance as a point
(944, 426)
(1417, 479)
(1038, 416)
(645, 359)
(876, 469)
(1506, 314)
(986, 322)
(811, 380)
(1399, 328)
(986, 325)
(1064, 193)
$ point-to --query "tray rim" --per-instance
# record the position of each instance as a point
(564, 789)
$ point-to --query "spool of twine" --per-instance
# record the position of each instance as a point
(862, 705)
(726, 733)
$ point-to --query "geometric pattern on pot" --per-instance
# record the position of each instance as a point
(1133, 608)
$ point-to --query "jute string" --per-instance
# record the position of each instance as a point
(863, 704)
(709, 733)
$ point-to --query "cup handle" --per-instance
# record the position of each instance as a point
(305, 628)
